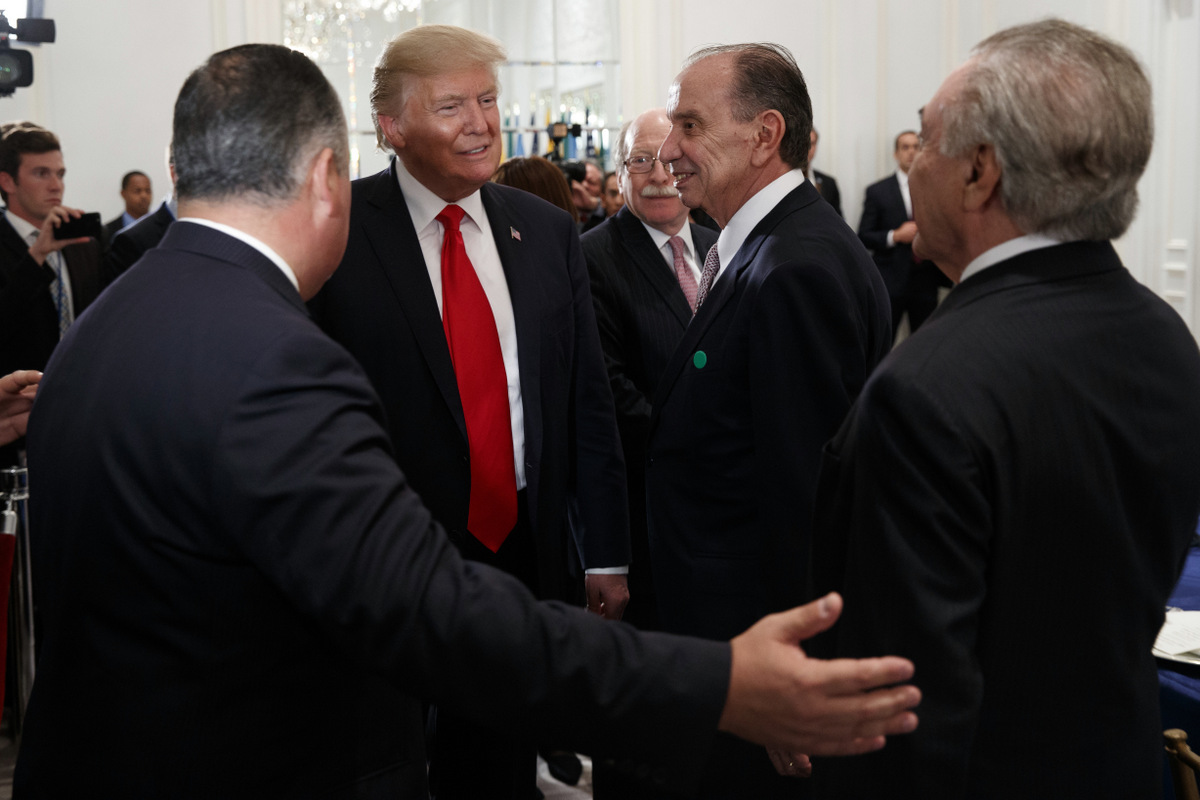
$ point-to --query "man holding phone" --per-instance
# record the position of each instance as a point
(49, 260)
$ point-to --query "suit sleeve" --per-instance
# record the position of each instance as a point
(122, 252)
(803, 340)
(904, 534)
(22, 283)
(600, 505)
(872, 230)
(314, 500)
(632, 405)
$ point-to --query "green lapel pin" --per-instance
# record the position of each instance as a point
(699, 358)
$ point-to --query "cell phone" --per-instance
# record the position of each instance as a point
(86, 225)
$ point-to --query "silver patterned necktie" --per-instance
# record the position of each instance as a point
(712, 265)
(58, 289)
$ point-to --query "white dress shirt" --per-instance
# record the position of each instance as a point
(690, 256)
(902, 179)
(1005, 251)
(423, 207)
(733, 236)
(29, 232)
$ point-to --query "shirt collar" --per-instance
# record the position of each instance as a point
(734, 235)
(22, 226)
(1007, 250)
(424, 205)
(902, 178)
(257, 244)
(661, 239)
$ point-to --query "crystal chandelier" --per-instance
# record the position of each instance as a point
(321, 28)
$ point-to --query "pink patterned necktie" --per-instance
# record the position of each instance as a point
(712, 265)
(687, 280)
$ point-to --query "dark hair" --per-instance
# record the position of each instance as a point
(896, 143)
(537, 176)
(18, 138)
(248, 123)
(766, 77)
(130, 176)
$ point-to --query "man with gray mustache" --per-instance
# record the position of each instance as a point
(644, 263)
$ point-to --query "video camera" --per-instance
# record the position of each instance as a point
(16, 66)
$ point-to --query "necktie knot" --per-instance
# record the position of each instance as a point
(451, 216)
(677, 246)
(683, 272)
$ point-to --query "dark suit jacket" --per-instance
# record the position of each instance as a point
(28, 318)
(231, 569)
(380, 305)
(128, 246)
(642, 314)
(762, 378)
(110, 230)
(1008, 506)
(828, 188)
(883, 212)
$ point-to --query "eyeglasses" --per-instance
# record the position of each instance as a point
(641, 164)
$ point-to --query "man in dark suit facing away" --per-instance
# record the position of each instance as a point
(644, 263)
(513, 446)
(1010, 502)
(791, 318)
(887, 228)
(232, 569)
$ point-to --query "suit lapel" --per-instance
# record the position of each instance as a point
(650, 263)
(895, 196)
(11, 241)
(390, 231)
(516, 255)
(726, 288)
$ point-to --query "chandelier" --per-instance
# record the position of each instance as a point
(321, 28)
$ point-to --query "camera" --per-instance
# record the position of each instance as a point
(16, 66)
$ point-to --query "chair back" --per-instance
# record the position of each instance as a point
(1184, 764)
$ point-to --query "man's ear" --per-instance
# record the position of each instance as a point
(7, 183)
(324, 181)
(768, 135)
(984, 181)
(393, 131)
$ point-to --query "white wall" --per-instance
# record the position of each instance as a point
(870, 64)
(107, 86)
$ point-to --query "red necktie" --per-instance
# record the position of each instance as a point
(482, 387)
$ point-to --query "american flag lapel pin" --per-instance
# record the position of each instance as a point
(516, 234)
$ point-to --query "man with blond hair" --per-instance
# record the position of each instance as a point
(468, 304)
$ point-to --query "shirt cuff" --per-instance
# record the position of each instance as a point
(608, 571)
